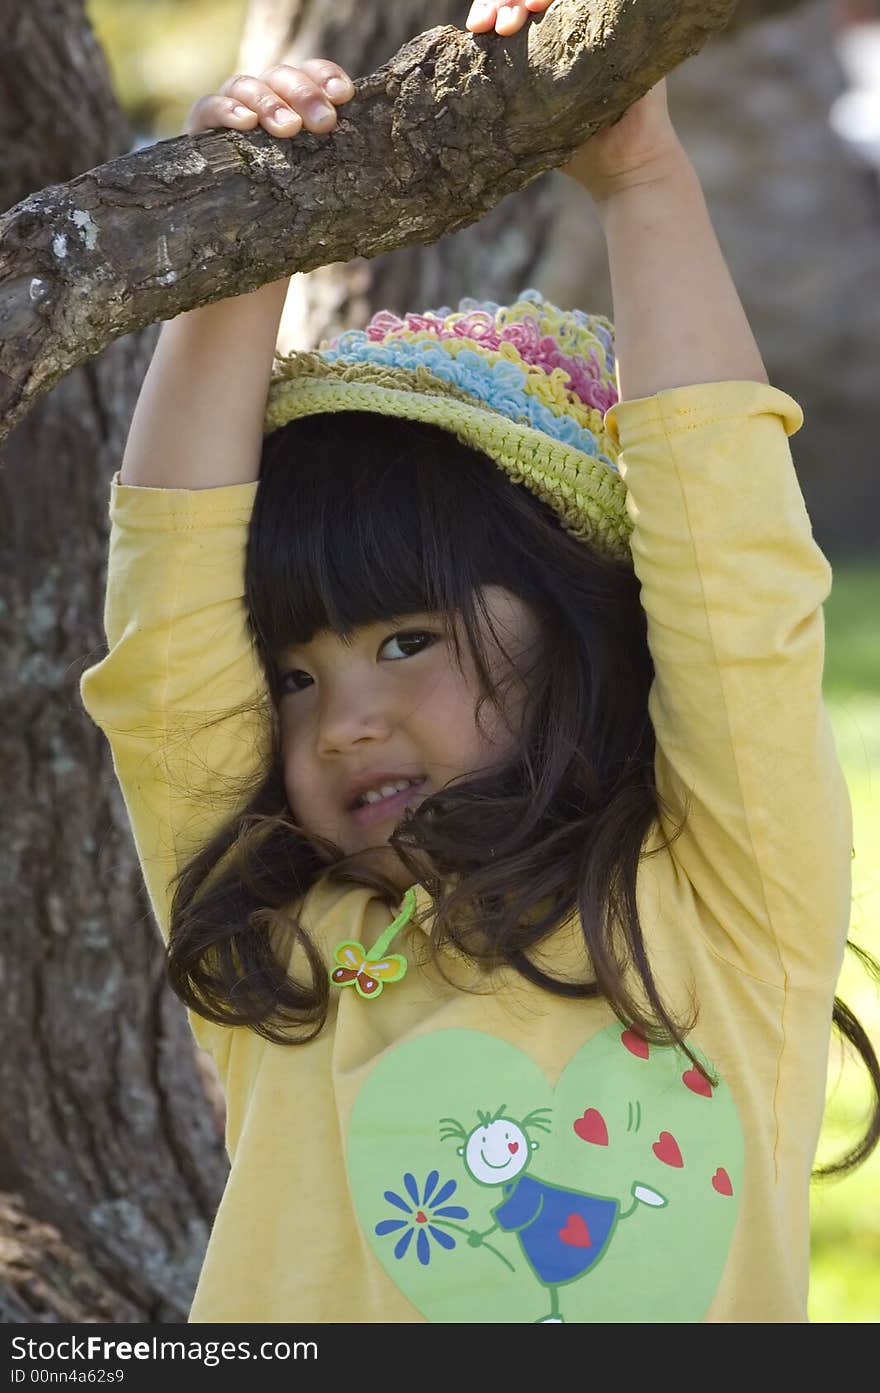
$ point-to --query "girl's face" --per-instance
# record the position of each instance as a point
(394, 701)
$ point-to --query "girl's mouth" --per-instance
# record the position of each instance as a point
(392, 806)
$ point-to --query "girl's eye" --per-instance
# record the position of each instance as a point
(404, 639)
(415, 636)
(287, 681)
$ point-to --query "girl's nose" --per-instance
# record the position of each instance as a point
(350, 716)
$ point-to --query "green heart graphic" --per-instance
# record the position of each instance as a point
(489, 1196)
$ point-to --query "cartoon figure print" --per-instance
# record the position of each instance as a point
(563, 1233)
(527, 1227)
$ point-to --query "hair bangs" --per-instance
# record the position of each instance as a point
(341, 538)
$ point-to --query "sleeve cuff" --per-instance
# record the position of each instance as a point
(180, 510)
(679, 410)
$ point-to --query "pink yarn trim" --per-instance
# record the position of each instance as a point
(540, 351)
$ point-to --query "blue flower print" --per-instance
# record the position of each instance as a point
(430, 1205)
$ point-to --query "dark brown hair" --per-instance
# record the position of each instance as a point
(361, 518)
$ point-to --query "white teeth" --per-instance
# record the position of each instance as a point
(373, 795)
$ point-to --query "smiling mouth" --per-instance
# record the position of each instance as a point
(489, 1163)
(366, 813)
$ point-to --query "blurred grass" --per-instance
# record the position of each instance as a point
(163, 54)
(845, 1229)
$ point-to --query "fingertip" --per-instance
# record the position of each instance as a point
(481, 18)
(339, 89)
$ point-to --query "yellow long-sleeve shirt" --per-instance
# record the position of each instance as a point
(437, 1154)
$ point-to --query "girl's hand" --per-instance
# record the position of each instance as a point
(637, 148)
(282, 100)
(504, 16)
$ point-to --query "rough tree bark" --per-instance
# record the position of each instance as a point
(193, 220)
(110, 1163)
(110, 1160)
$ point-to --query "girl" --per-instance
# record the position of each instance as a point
(466, 701)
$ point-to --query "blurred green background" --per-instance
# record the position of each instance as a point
(165, 53)
(845, 1276)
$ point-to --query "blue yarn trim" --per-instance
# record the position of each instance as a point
(499, 385)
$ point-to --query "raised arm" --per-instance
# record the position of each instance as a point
(180, 693)
(678, 318)
(198, 422)
(732, 581)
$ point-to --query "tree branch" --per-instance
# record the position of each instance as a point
(429, 143)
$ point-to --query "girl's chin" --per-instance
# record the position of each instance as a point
(372, 850)
(386, 860)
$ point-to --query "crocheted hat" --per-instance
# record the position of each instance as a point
(526, 383)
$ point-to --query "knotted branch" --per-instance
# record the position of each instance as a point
(429, 143)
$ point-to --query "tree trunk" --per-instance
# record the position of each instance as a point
(110, 1162)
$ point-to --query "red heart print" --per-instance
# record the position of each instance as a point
(591, 1127)
(721, 1182)
(576, 1234)
(694, 1080)
(635, 1044)
(666, 1150)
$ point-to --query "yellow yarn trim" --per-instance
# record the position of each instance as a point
(551, 389)
(297, 365)
(587, 496)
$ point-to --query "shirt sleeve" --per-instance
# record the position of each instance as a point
(732, 584)
(180, 694)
